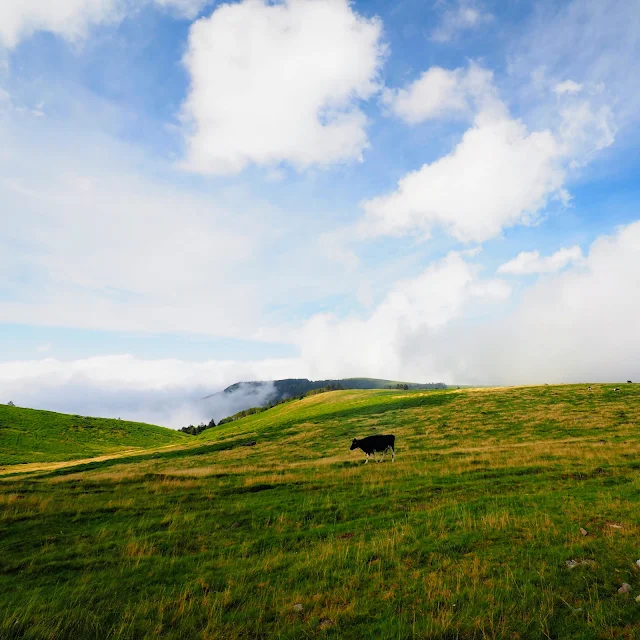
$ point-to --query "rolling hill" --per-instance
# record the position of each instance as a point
(291, 387)
(30, 435)
(262, 393)
(509, 513)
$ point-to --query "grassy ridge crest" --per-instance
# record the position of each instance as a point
(33, 435)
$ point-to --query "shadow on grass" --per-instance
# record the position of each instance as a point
(433, 399)
(158, 455)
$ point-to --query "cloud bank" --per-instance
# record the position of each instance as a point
(573, 326)
(382, 343)
(166, 392)
(451, 324)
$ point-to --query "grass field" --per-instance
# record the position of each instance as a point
(28, 435)
(474, 531)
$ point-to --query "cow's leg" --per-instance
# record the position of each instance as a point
(393, 454)
(384, 453)
(367, 460)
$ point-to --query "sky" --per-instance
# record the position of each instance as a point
(194, 193)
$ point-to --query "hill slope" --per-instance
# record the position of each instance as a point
(474, 531)
(261, 393)
(30, 435)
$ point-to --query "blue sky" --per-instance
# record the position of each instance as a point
(436, 190)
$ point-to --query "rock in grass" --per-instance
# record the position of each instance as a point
(637, 598)
(638, 562)
(625, 588)
(298, 607)
(583, 531)
(572, 564)
(325, 623)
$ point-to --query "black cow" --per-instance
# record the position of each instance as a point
(372, 444)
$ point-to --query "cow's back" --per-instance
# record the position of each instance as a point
(377, 443)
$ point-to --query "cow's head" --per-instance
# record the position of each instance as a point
(354, 444)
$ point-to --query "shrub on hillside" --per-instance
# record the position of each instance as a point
(194, 431)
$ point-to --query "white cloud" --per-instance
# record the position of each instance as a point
(439, 92)
(499, 175)
(72, 19)
(279, 82)
(464, 16)
(379, 345)
(568, 86)
(584, 130)
(528, 262)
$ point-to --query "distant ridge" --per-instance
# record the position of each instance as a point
(258, 394)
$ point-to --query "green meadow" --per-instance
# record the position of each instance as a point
(29, 435)
(473, 532)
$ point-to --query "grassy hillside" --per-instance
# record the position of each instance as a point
(29, 435)
(474, 531)
(263, 393)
